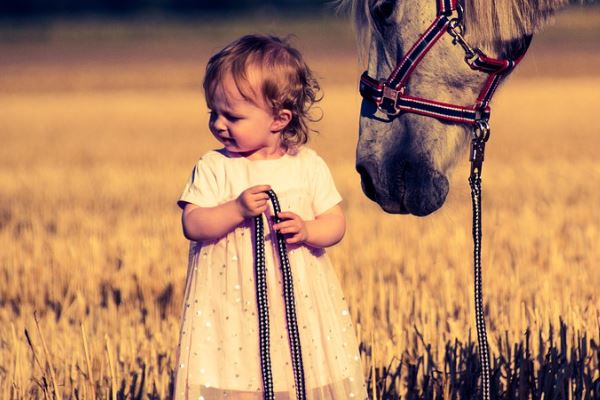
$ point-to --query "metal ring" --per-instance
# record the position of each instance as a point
(481, 130)
(455, 24)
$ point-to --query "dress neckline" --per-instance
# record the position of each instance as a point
(224, 153)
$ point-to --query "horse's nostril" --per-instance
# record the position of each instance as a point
(366, 181)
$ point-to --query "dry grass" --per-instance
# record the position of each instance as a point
(91, 164)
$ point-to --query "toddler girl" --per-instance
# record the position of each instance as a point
(259, 91)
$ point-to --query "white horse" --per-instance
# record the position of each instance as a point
(404, 160)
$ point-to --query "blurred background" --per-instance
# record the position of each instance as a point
(102, 118)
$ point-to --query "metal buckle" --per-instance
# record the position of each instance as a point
(389, 100)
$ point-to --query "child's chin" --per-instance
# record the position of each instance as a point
(235, 151)
(231, 148)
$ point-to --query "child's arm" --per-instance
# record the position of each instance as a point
(209, 223)
(325, 230)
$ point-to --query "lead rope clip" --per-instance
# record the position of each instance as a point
(479, 136)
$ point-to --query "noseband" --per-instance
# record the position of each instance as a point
(390, 97)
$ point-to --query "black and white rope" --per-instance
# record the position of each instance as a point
(484, 357)
(263, 307)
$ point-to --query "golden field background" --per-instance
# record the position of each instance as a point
(100, 124)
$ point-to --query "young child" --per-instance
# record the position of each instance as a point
(259, 92)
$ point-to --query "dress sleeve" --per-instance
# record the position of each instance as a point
(201, 188)
(325, 194)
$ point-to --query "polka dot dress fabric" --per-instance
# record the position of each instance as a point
(218, 355)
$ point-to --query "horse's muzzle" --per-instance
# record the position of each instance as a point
(425, 191)
(405, 188)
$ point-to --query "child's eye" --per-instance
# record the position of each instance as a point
(232, 117)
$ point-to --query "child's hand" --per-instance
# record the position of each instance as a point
(253, 201)
(293, 225)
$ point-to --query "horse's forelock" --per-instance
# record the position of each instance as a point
(363, 24)
(487, 22)
(491, 22)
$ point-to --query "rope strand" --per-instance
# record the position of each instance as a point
(263, 307)
(475, 183)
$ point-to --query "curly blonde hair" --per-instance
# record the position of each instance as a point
(287, 83)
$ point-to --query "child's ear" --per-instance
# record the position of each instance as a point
(281, 119)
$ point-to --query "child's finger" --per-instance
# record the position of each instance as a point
(287, 215)
(283, 224)
(261, 209)
(293, 239)
(260, 202)
(289, 229)
(259, 188)
(260, 196)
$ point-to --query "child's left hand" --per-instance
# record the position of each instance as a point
(292, 225)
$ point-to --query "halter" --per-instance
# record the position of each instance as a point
(390, 97)
(389, 94)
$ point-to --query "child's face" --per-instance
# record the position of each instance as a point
(241, 126)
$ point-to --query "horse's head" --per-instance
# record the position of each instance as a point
(404, 161)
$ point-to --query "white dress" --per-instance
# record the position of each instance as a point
(218, 355)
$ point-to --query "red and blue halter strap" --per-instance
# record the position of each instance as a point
(389, 94)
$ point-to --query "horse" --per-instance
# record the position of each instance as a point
(404, 159)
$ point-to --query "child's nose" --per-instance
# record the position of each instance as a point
(219, 123)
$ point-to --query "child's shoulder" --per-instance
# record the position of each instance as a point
(212, 157)
(305, 153)
(310, 158)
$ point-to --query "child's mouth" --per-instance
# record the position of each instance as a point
(228, 141)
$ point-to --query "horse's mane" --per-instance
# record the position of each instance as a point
(487, 22)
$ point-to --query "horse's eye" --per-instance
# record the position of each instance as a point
(383, 9)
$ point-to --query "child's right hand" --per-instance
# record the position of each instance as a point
(253, 201)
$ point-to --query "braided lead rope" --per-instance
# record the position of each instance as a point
(480, 136)
(263, 307)
(484, 357)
